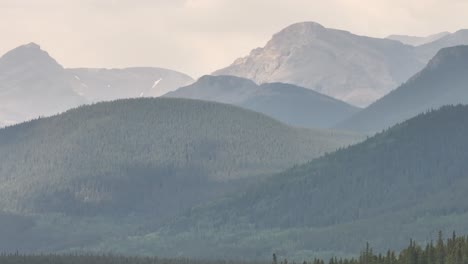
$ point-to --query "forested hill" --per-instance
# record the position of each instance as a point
(405, 182)
(150, 156)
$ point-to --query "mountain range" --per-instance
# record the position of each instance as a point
(33, 84)
(229, 167)
(443, 81)
(337, 63)
(356, 69)
(288, 103)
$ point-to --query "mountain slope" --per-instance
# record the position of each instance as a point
(290, 104)
(352, 68)
(443, 81)
(427, 51)
(140, 161)
(33, 84)
(111, 84)
(410, 179)
(418, 41)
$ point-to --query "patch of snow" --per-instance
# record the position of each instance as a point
(156, 83)
(152, 87)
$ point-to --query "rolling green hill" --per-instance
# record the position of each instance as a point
(407, 182)
(128, 162)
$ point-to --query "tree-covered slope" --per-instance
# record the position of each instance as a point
(411, 178)
(288, 103)
(151, 156)
(443, 81)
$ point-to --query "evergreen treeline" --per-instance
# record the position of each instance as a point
(105, 259)
(452, 251)
(127, 156)
(402, 183)
(128, 166)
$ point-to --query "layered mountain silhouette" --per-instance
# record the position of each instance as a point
(352, 68)
(231, 169)
(33, 84)
(428, 50)
(288, 103)
(443, 81)
(418, 41)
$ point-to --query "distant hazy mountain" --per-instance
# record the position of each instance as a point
(33, 84)
(288, 103)
(118, 166)
(352, 68)
(443, 81)
(427, 51)
(110, 84)
(409, 182)
(417, 41)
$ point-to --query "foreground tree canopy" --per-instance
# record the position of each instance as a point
(452, 251)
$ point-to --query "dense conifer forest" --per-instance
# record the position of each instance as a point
(451, 251)
(403, 183)
(120, 168)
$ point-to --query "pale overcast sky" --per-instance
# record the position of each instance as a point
(200, 36)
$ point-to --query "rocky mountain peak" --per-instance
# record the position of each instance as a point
(29, 56)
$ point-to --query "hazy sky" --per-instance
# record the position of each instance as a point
(200, 36)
